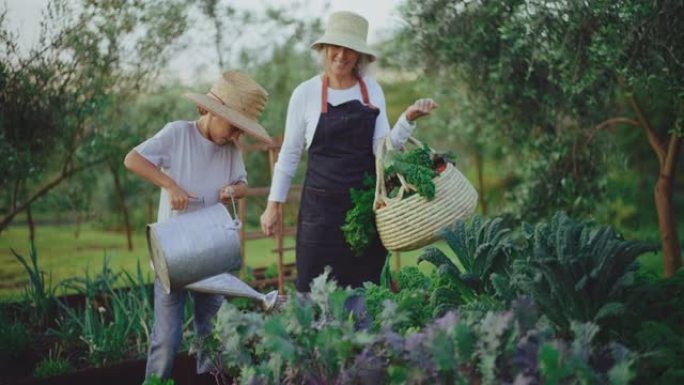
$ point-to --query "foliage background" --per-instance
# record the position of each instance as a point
(520, 112)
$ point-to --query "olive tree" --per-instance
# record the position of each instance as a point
(57, 100)
(555, 73)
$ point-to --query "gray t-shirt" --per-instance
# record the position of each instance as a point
(197, 164)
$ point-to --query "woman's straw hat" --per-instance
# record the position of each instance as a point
(347, 29)
(238, 99)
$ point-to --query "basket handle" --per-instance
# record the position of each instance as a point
(385, 148)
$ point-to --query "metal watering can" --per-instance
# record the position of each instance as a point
(197, 249)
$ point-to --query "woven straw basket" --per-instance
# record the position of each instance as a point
(413, 222)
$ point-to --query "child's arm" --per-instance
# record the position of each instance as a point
(137, 164)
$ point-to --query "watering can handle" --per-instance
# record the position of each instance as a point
(230, 191)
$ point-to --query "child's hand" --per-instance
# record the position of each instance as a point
(179, 197)
(234, 191)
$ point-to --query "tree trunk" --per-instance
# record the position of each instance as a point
(668, 157)
(122, 205)
(77, 231)
(31, 225)
(672, 260)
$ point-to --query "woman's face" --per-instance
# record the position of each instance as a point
(340, 61)
(222, 132)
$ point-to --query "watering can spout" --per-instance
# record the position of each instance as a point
(230, 285)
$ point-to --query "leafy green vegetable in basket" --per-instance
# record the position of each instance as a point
(359, 227)
(416, 166)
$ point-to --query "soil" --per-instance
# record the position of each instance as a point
(128, 372)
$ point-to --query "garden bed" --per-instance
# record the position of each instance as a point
(128, 372)
(96, 335)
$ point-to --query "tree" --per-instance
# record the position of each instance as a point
(55, 101)
(552, 67)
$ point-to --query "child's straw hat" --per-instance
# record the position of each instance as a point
(238, 99)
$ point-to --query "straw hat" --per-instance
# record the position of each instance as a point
(347, 29)
(238, 99)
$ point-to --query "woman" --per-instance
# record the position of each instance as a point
(340, 118)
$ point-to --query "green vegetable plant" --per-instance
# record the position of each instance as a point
(412, 300)
(155, 380)
(114, 323)
(15, 341)
(271, 271)
(39, 293)
(313, 342)
(482, 251)
(359, 227)
(53, 365)
(576, 271)
(653, 326)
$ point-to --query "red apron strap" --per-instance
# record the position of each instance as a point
(324, 94)
(364, 93)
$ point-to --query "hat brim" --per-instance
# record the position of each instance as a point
(347, 42)
(249, 126)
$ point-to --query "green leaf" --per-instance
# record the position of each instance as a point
(621, 373)
(610, 309)
(551, 366)
(276, 339)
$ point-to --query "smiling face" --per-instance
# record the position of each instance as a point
(340, 61)
(222, 132)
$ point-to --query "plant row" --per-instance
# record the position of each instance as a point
(553, 303)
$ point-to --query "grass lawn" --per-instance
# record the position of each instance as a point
(61, 255)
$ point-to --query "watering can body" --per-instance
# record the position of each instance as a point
(196, 245)
(196, 250)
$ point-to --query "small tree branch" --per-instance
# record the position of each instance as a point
(606, 124)
(7, 219)
(615, 121)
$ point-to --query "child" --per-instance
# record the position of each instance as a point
(194, 163)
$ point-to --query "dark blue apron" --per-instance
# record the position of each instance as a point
(340, 154)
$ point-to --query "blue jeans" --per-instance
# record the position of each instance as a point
(168, 328)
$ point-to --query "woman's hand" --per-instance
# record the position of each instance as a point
(420, 108)
(270, 219)
(179, 197)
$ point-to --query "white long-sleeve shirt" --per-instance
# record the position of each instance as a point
(302, 118)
